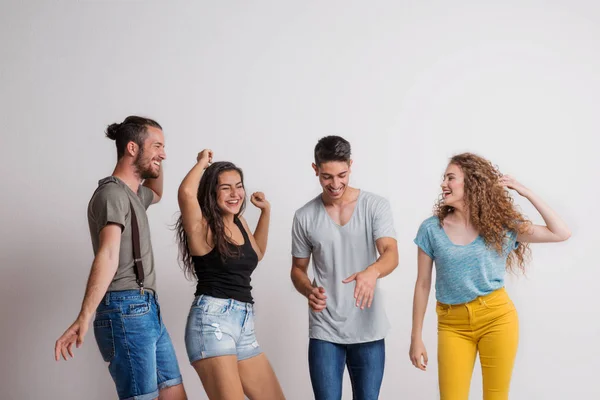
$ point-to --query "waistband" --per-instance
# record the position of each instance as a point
(231, 304)
(478, 300)
(130, 295)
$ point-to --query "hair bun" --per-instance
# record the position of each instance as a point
(113, 131)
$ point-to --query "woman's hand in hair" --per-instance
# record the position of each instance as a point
(205, 156)
(511, 183)
(259, 200)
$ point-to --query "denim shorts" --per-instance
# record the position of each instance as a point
(220, 327)
(134, 341)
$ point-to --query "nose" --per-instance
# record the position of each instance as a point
(162, 154)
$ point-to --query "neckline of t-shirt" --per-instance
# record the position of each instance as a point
(360, 195)
(454, 244)
(127, 188)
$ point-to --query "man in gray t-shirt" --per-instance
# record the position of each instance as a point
(343, 229)
(128, 329)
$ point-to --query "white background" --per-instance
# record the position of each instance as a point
(408, 83)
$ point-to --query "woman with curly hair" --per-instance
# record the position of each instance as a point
(474, 236)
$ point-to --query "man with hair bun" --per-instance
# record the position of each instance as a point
(121, 288)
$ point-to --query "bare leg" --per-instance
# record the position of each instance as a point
(176, 392)
(259, 380)
(220, 377)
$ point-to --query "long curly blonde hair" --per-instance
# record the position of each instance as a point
(490, 207)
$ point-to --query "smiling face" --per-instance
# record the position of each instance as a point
(453, 186)
(230, 192)
(334, 177)
(150, 156)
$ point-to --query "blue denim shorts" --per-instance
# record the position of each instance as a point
(134, 341)
(220, 327)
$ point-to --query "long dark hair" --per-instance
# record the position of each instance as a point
(207, 198)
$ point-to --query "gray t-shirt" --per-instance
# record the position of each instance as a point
(338, 252)
(110, 204)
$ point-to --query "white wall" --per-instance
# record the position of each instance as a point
(408, 83)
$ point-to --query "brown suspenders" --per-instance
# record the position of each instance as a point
(137, 253)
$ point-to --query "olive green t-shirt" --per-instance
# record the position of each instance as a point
(110, 204)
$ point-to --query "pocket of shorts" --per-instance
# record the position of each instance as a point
(105, 339)
(136, 310)
(213, 308)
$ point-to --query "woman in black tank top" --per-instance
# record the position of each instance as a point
(218, 249)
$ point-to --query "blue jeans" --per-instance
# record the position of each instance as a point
(220, 327)
(365, 362)
(134, 341)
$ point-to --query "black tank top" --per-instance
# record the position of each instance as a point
(229, 279)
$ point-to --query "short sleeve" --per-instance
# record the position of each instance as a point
(110, 205)
(512, 240)
(423, 239)
(301, 247)
(146, 195)
(383, 221)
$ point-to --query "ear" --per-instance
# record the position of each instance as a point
(132, 148)
(316, 169)
(350, 165)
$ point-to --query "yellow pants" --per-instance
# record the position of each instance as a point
(488, 325)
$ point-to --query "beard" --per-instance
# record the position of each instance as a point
(144, 167)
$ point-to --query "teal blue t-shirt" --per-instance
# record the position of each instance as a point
(463, 272)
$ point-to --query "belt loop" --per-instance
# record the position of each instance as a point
(230, 304)
(199, 300)
(107, 298)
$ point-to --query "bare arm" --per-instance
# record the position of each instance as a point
(421, 296)
(262, 230)
(299, 274)
(261, 233)
(187, 194)
(156, 185)
(556, 230)
(103, 270)
(388, 256)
